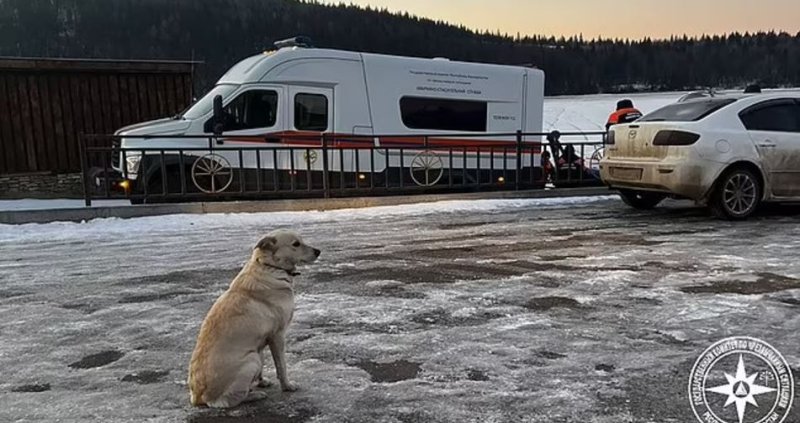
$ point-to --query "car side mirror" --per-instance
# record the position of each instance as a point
(218, 119)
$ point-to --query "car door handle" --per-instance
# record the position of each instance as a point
(767, 144)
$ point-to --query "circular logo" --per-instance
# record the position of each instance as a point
(741, 380)
(310, 156)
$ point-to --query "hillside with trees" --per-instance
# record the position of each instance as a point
(221, 32)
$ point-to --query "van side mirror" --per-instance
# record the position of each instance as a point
(218, 119)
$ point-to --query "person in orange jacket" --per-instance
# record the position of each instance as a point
(625, 113)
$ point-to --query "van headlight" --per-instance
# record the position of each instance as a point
(132, 163)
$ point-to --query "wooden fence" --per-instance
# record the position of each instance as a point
(47, 104)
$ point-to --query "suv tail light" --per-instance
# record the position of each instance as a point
(610, 137)
(675, 138)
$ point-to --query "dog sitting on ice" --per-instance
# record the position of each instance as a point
(252, 314)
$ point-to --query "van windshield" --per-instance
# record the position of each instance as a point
(205, 104)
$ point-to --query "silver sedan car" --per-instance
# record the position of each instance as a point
(730, 153)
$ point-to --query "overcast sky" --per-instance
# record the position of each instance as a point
(609, 18)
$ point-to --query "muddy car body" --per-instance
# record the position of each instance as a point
(728, 152)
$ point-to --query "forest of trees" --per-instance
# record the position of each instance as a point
(221, 32)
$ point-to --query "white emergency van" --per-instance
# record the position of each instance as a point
(295, 93)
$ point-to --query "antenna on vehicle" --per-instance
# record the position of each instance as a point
(299, 41)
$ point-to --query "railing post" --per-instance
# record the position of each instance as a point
(325, 172)
(87, 197)
(519, 160)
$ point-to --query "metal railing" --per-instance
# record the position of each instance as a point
(202, 168)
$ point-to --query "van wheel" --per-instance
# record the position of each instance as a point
(641, 200)
(736, 195)
(155, 188)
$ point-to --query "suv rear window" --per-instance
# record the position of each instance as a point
(689, 111)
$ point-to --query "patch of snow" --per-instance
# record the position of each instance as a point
(149, 226)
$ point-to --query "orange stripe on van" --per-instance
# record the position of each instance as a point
(348, 141)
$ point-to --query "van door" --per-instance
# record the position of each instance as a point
(255, 110)
(774, 127)
(252, 118)
(311, 109)
(311, 113)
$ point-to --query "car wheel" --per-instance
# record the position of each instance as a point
(641, 200)
(737, 195)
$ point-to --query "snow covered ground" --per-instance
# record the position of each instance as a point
(558, 310)
(590, 112)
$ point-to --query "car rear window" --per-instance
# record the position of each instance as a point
(775, 116)
(689, 111)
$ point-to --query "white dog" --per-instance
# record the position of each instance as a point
(253, 313)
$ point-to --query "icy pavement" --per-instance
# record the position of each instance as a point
(567, 310)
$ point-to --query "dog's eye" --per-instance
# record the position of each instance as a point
(296, 244)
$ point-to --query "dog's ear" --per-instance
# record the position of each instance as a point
(268, 243)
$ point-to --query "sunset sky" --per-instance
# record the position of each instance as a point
(609, 18)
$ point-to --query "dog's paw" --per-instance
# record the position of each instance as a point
(263, 384)
(256, 396)
(288, 387)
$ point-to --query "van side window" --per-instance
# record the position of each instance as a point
(311, 112)
(250, 110)
(783, 116)
(443, 114)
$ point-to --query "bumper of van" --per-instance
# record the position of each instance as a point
(109, 179)
(686, 179)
